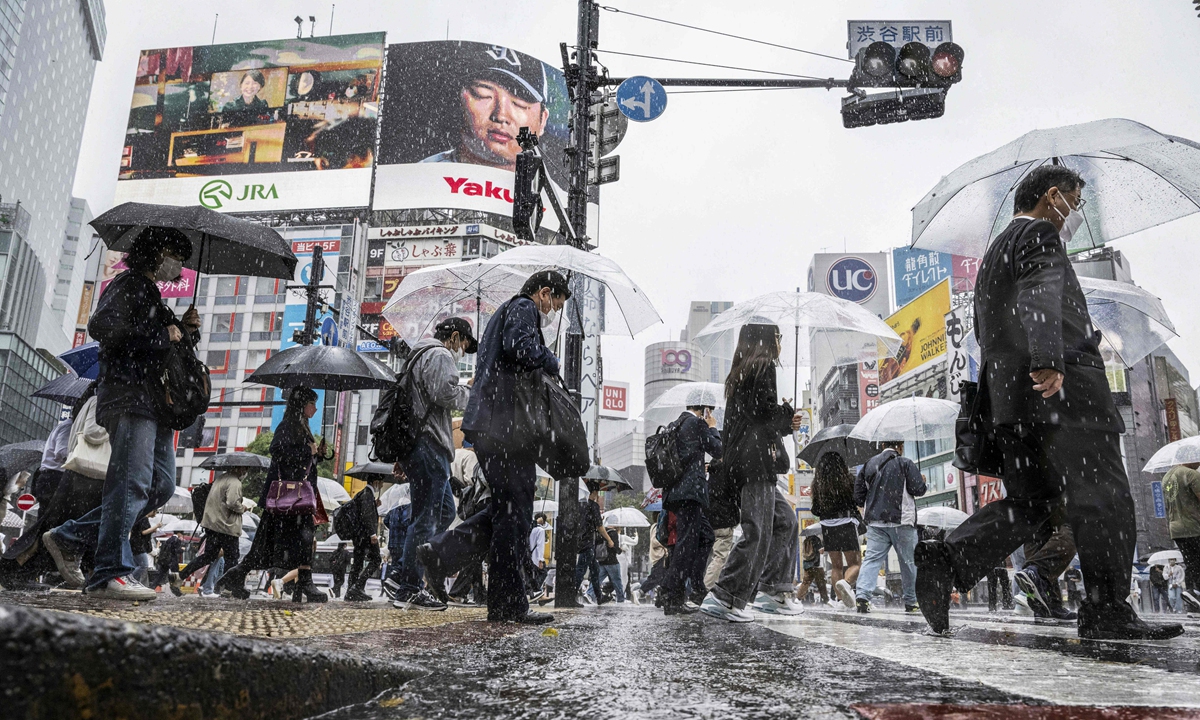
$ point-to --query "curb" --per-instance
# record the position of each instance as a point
(61, 665)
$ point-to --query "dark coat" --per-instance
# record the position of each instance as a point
(131, 324)
(755, 422)
(366, 512)
(724, 497)
(285, 540)
(511, 344)
(339, 561)
(694, 440)
(881, 483)
(1030, 314)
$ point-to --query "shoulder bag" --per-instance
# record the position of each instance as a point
(85, 458)
(292, 496)
(975, 449)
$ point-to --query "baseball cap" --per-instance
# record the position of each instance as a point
(516, 71)
(460, 326)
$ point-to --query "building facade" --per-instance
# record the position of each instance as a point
(714, 365)
(78, 240)
(669, 364)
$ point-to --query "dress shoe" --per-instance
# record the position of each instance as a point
(935, 581)
(1119, 622)
(680, 609)
(537, 618)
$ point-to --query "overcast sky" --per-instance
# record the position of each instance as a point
(728, 195)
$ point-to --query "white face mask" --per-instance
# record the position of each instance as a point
(458, 355)
(168, 270)
(550, 318)
(1071, 223)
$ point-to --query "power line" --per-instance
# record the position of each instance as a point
(696, 92)
(724, 34)
(712, 65)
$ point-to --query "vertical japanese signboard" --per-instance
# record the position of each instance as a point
(1173, 431)
(868, 386)
(960, 366)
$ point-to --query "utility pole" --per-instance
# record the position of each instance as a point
(308, 335)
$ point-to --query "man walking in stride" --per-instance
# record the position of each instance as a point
(1054, 418)
(885, 488)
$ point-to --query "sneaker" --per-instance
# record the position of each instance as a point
(123, 588)
(780, 604)
(420, 600)
(391, 588)
(210, 595)
(833, 604)
(1031, 584)
(431, 561)
(466, 602)
(716, 608)
(174, 584)
(1189, 599)
(863, 607)
(66, 561)
(356, 595)
(845, 593)
(1022, 606)
(912, 608)
(637, 596)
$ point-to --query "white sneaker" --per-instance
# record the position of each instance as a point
(776, 604)
(1021, 606)
(831, 603)
(123, 588)
(845, 593)
(65, 560)
(277, 589)
(714, 607)
(210, 595)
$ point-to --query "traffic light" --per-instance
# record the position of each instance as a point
(914, 65)
(893, 107)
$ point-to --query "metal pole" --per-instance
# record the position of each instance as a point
(581, 78)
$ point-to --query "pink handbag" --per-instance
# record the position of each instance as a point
(292, 497)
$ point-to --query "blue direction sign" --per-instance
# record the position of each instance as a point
(329, 332)
(1160, 505)
(641, 99)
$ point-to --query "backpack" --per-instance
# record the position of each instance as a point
(394, 430)
(475, 496)
(184, 387)
(663, 463)
(200, 499)
(346, 521)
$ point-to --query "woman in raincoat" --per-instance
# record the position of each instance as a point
(286, 540)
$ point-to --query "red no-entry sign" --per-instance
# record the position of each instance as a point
(25, 502)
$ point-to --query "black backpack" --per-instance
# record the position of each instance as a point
(346, 521)
(199, 499)
(394, 430)
(663, 463)
(183, 387)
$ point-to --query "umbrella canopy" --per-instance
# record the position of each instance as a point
(625, 517)
(1162, 556)
(180, 502)
(65, 389)
(545, 506)
(945, 518)
(470, 290)
(186, 526)
(625, 307)
(221, 244)
(689, 394)
(322, 367)
(84, 360)
(21, 457)
(12, 521)
(236, 460)
(394, 496)
(837, 439)
(814, 529)
(1133, 322)
(372, 471)
(608, 478)
(249, 519)
(655, 506)
(1180, 452)
(1136, 178)
(332, 493)
(910, 419)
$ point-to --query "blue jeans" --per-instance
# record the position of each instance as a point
(141, 478)
(215, 571)
(428, 470)
(613, 573)
(879, 541)
(1176, 599)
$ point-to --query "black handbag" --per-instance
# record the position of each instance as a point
(547, 423)
(976, 450)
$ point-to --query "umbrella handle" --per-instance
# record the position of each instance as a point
(199, 268)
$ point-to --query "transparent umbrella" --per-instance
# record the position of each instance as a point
(1136, 178)
(943, 518)
(332, 493)
(471, 290)
(1180, 452)
(910, 419)
(394, 496)
(1133, 322)
(1163, 556)
(625, 517)
(680, 397)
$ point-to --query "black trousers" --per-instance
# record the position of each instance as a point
(998, 580)
(694, 540)
(1190, 547)
(499, 533)
(365, 552)
(214, 544)
(1045, 465)
(339, 579)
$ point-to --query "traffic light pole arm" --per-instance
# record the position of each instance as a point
(827, 84)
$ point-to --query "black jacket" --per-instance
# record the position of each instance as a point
(724, 497)
(291, 456)
(881, 483)
(1030, 314)
(131, 324)
(694, 440)
(339, 561)
(367, 514)
(755, 421)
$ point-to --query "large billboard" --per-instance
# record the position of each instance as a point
(921, 325)
(260, 126)
(858, 277)
(451, 115)
(915, 271)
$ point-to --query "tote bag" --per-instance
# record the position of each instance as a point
(84, 458)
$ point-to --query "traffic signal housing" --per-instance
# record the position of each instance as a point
(893, 107)
(913, 65)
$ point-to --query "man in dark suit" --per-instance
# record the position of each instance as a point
(1055, 421)
(688, 499)
(365, 514)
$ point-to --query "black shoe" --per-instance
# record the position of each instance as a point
(234, 584)
(1119, 622)
(912, 608)
(680, 609)
(356, 595)
(864, 606)
(1058, 612)
(935, 580)
(428, 559)
(537, 618)
(1036, 592)
(420, 600)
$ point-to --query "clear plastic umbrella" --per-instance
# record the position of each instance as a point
(1136, 178)
(680, 397)
(471, 290)
(625, 308)
(180, 502)
(1133, 322)
(1180, 452)
(332, 492)
(913, 419)
(943, 518)
(1163, 556)
(394, 496)
(625, 517)
(545, 506)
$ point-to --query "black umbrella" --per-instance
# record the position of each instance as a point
(372, 471)
(836, 439)
(65, 389)
(607, 478)
(21, 457)
(224, 461)
(322, 367)
(221, 244)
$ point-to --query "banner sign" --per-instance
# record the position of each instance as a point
(921, 325)
(114, 265)
(1173, 431)
(960, 365)
(868, 386)
(615, 400)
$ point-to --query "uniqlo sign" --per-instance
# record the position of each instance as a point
(614, 401)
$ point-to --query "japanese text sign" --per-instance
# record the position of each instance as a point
(861, 33)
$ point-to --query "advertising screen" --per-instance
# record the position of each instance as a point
(921, 325)
(860, 278)
(259, 126)
(451, 116)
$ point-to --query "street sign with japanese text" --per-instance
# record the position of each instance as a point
(861, 33)
(1160, 505)
(641, 99)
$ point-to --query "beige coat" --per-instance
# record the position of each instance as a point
(223, 509)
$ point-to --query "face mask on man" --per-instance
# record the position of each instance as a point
(168, 269)
(550, 318)
(458, 354)
(1071, 222)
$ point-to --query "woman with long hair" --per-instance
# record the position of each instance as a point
(285, 539)
(755, 423)
(833, 503)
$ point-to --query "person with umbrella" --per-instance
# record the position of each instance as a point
(1181, 488)
(222, 521)
(833, 502)
(135, 329)
(1055, 422)
(886, 488)
(285, 534)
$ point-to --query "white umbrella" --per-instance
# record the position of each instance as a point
(1136, 178)
(180, 502)
(1132, 322)
(1162, 556)
(332, 494)
(946, 518)
(393, 497)
(625, 307)
(187, 526)
(545, 506)
(625, 517)
(1180, 452)
(910, 419)
(469, 290)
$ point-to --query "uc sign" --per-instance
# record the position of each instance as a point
(852, 279)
